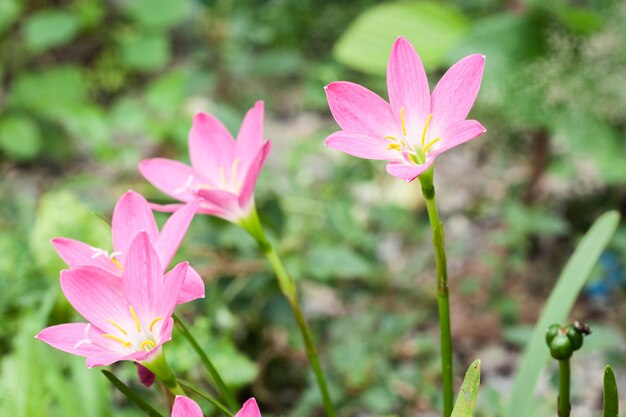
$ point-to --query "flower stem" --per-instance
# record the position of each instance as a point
(564, 383)
(226, 393)
(289, 289)
(443, 301)
(159, 367)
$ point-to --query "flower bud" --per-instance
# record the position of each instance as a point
(561, 347)
(575, 336)
(551, 332)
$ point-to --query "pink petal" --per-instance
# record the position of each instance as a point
(108, 357)
(132, 214)
(142, 278)
(457, 134)
(455, 93)
(172, 177)
(173, 282)
(72, 338)
(249, 409)
(360, 145)
(408, 86)
(193, 287)
(249, 182)
(211, 146)
(185, 407)
(76, 253)
(96, 295)
(408, 172)
(357, 109)
(250, 136)
(227, 202)
(166, 208)
(174, 231)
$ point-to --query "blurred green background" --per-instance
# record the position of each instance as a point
(90, 87)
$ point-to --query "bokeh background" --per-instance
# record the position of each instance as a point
(88, 88)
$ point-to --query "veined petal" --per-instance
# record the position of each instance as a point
(455, 93)
(74, 338)
(193, 287)
(185, 407)
(173, 283)
(249, 409)
(408, 172)
(250, 136)
(132, 214)
(408, 86)
(174, 231)
(96, 295)
(76, 253)
(174, 178)
(108, 357)
(357, 109)
(361, 145)
(251, 176)
(211, 146)
(457, 134)
(142, 278)
(227, 202)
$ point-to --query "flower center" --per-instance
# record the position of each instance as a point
(412, 151)
(134, 337)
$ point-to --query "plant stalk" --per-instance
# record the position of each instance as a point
(288, 287)
(443, 301)
(564, 385)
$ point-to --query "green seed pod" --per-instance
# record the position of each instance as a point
(561, 347)
(551, 332)
(575, 336)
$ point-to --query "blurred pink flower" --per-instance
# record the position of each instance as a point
(185, 407)
(414, 127)
(223, 170)
(132, 214)
(127, 320)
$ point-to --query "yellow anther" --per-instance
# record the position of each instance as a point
(116, 262)
(394, 146)
(395, 139)
(154, 322)
(132, 311)
(402, 120)
(430, 116)
(431, 143)
(120, 328)
(148, 343)
(117, 339)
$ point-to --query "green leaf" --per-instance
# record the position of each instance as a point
(433, 29)
(20, 138)
(466, 401)
(611, 399)
(48, 28)
(9, 12)
(145, 52)
(560, 302)
(158, 14)
(131, 395)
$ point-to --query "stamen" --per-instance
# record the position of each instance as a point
(154, 322)
(120, 328)
(402, 120)
(117, 339)
(149, 343)
(132, 311)
(116, 262)
(394, 146)
(391, 137)
(431, 143)
(430, 116)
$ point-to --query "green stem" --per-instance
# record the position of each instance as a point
(564, 383)
(289, 289)
(443, 301)
(226, 393)
(207, 397)
(159, 367)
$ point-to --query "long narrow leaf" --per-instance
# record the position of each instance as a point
(611, 400)
(131, 395)
(558, 306)
(207, 397)
(466, 401)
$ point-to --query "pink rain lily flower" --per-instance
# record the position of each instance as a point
(125, 322)
(132, 214)
(185, 407)
(223, 170)
(414, 127)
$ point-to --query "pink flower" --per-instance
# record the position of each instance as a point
(223, 171)
(185, 407)
(415, 127)
(125, 322)
(132, 215)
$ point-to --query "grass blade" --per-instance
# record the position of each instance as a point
(131, 395)
(558, 306)
(207, 397)
(466, 400)
(611, 400)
